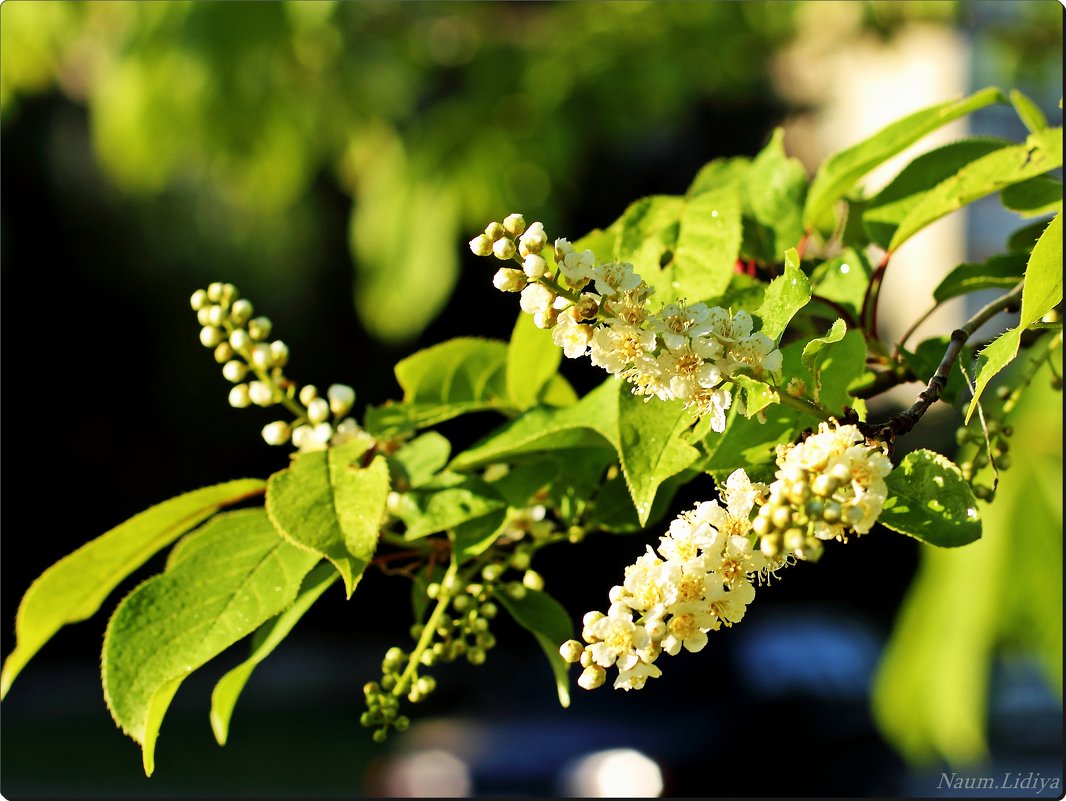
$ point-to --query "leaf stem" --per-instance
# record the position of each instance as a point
(803, 405)
(914, 327)
(868, 314)
(844, 314)
(906, 420)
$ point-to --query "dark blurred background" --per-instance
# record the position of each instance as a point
(331, 159)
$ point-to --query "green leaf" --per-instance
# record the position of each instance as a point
(462, 375)
(539, 613)
(1002, 271)
(264, 641)
(883, 213)
(839, 173)
(419, 460)
(1041, 152)
(612, 509)
(240, 575)
(708, 242)
(1024, 239)
(774, 191)
(74, 587)
(448, 501)
(931, 501)
(1032, 198)
(326, 503)
(843, 279)
(643, 434)
(650, 446)
(786, 295)
(718, 173)
(648, 232)
(1028, 111)
(834, 362)
(532, 359)
(1042, 292)
(757, 395)
(519, 484)
(473, 537)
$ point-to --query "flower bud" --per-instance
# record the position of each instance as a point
(259, 327)
(223, 352)
(261, 357)
(571, 650)
(234, 371)
(546, 319)
(341, 399)
(503, 249)
(210, 336)
(229, 294)
(488, 610)
(299, 436)
(308, 393)
(823, 485)
(239, 397)
(770, 545)
(279, 353)
(239, 340)
(656, 629)
(495, 231)
(533, 580)
(514, 224)
(585, 659)
(519, 560)
(198, 299)
(492, 571)
(481, 245)
(476, 656)
(534, 266)
(507, 279)
(203, 315)
(840, 473)
(592, 677)
(261, 393)
(215, 315)
(532, 242)
(276, 433)
(795, 539)
(318, 411)
(241, 311)
(214, 291)
(587, 307)
(515, 591)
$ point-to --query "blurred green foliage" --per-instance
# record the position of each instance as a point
(431, 116)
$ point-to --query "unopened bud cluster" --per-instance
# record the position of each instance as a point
(828, 486)
(255, 364)
(703, 574)
(679, 352)
(998, 435)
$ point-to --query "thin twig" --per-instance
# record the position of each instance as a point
(868, 314)
(906, 420)
(914, 327)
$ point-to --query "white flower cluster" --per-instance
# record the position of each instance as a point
(829, 485)
(240, 345)
(701, 577)
(679, 352)
(703, 574)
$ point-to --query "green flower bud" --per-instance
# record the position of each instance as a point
(234, 371)
(831, 512)
(261, 393)
(823, 485)
(533, 580)
(1004, 462)
(261, 357)
(571, 651)
(519, 560)
(241, 312)
(223, 352)
(963, 436)
(481, 245)
(494, 231)
(794, 539)
(210, 336)
(380, 735)
(318, 411)
(488, 610)
(341, 399)
(491, 572)
(516, 591)
(198, 299)
(514, 224)
(239, 397)
(781, 517)
(279, 353)
(215, 315)
(762, 525)
(259, 328)
(402, 723)
(239, 340)
(799, 492)
(770, 545)
(840, 474)
(476, 656)
(214, 291)
(229, 294)
(276, 433)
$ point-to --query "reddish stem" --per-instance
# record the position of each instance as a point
(801, 247)
(873, 292)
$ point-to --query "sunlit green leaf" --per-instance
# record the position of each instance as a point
(839, 173)
(1028, 111)
(419, 459)
(1041, 152)
(1032, 198)
(241, 575)
(329, 504)
(883, 213)
(532, 360)
(708, 242)
(931, 501)
(1002, 271)
(264, 641)
(786, 295)
(74, 587)
(1042, 292)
